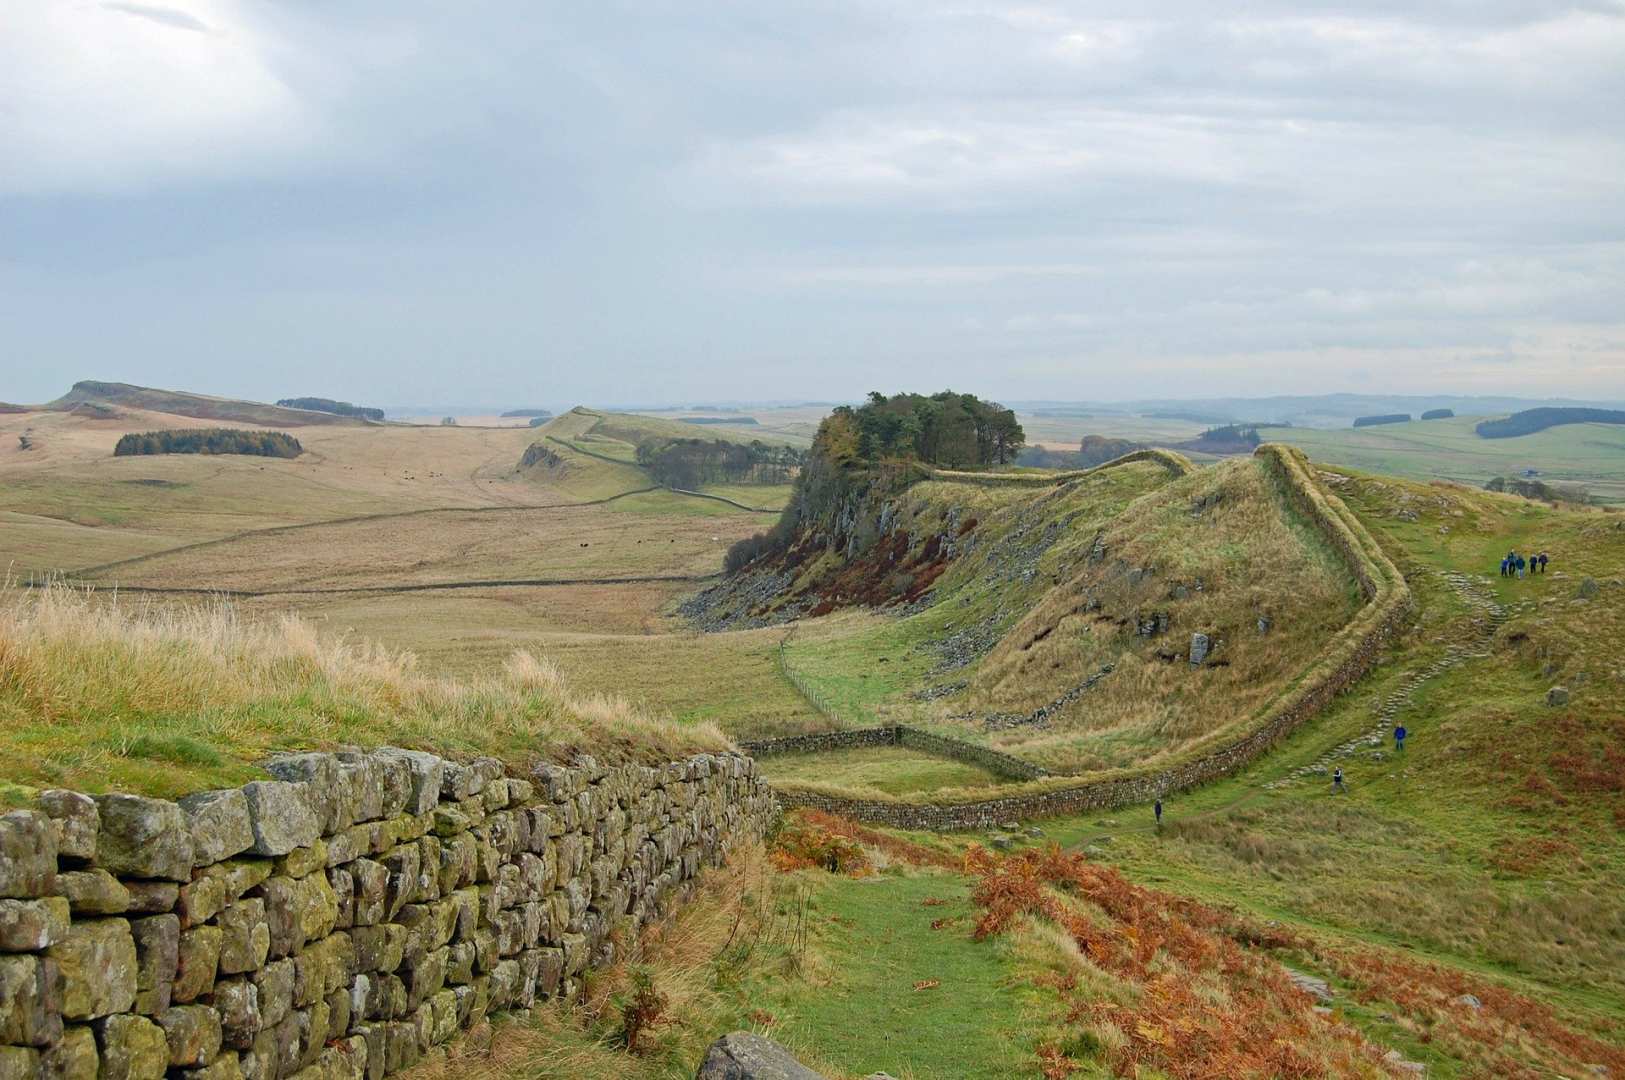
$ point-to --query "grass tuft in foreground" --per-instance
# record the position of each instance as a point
(99, 694)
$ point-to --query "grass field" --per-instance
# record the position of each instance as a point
(889, 770)
(1590, 455)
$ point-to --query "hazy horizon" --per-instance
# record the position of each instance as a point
(631, 202)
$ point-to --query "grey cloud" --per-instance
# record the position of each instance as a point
(1031, 199)
(162, 15)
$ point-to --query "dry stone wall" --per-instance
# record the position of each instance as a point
(999, 764)
(1348, 658)
(341, 920)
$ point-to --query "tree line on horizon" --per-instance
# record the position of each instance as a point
(337, 408)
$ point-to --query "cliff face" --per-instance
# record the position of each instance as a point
(348, 916)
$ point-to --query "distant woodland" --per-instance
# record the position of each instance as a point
(692, 463)
(1384, 418)
(209, 441)
(1532, 420)
(541, 413)
(337, 408)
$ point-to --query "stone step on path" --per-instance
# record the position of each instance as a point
(1490, 615)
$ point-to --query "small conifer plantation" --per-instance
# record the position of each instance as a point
(209, 441)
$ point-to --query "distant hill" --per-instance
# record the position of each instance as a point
(1532, 420)
(198, 406)
(736, 421)
(1307, 410)
(540, 413)
(337, 408)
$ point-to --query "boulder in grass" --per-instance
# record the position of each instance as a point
(743, 1055)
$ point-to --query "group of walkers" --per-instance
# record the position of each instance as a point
(1514, 564)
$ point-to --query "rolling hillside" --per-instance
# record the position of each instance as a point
(116, 396)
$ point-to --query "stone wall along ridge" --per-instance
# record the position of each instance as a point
(1177, 465)
(999, 764)
(341, 920)
(1347, 658)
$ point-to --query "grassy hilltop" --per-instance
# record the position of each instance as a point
(1461, 903)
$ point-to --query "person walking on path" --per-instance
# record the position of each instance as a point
(1337, 781)
(1504, 563)
(1157, 809)
(1399, 737)
(1541, 558)
(1519, 563)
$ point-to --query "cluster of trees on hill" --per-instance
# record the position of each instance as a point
(692, 463)
(1243, 434)
(878, 448)
(943, 429)
(1532, 420)
(1438, 414)
(1384, 418)
(210, 441)
(337, 408)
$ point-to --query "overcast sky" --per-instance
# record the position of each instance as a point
(513, 203)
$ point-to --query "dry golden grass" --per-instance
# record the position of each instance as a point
(447, 546)
(101, 695)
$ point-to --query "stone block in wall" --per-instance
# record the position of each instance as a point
(193, 1033)
(245, 940)
(31, 992)
(157, 958)
(98, 966)
(19, 1063)
(371, 881)
(423, 775)
(143, 838)
(27, 855)
(238, 1003)
(73, 1057)
(404, 863)
(319, 772)
(93, 892)
(75, 820)
(220, 824)
(131, 1047)
(298, 910)
(302, 861)
(225, 1067)
(151, 897)
(200, 900)
(239, 875)
(379, 948)
(343, 885)
(281, 816)
(349, 845)
(32, 925)
(197, 963)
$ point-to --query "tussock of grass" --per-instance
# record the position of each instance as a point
(105, 694)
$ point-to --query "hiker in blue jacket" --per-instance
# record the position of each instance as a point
(1399, 737)
(1505, 562)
